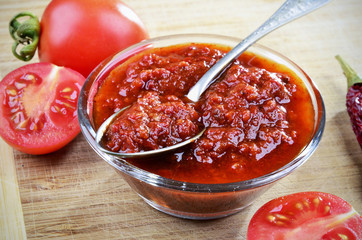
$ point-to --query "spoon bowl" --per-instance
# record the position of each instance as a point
(103, 129)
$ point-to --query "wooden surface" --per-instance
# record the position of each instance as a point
(73, 194)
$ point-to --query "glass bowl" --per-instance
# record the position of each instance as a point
(184, 199)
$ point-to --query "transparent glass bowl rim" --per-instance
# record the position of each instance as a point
(156, 180)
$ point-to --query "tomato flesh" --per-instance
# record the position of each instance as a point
(38, 112)
(306, 215)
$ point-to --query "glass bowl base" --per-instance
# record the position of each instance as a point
(190, 215)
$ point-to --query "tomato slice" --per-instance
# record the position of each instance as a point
(306, 215)
(38, 111)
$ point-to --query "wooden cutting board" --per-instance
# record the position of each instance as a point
(73, 194)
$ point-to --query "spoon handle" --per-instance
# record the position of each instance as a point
(289, 11)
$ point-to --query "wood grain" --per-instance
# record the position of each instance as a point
(12, 221)
(73, 194)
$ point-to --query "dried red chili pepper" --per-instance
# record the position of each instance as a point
(354, 98)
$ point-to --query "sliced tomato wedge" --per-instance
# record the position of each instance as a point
(306, 216)
(38, 111)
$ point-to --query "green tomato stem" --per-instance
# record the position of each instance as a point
(25, 33)
(351, 75)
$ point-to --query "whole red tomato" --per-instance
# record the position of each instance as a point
(79, 34)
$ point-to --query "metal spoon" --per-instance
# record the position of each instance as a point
(289, 11)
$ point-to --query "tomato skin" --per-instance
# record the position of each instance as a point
(306, 215)
(79, 34)
(38, 104)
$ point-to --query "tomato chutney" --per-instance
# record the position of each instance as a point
(258, 113)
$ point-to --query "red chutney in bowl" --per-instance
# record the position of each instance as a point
(258, 114)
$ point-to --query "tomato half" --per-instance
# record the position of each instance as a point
(38, 111)
(306, 216)
(79, 34)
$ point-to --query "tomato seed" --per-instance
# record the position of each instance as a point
(281, 216)
(22, 125)
(11, 92)
(306, 204)
(279, 223)
(342, 236)
(55, 109)
(299, 206)
(327, 209)
(29, 77)
(66, 90)
(271, 218)
(316, 202)
(69, 105)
